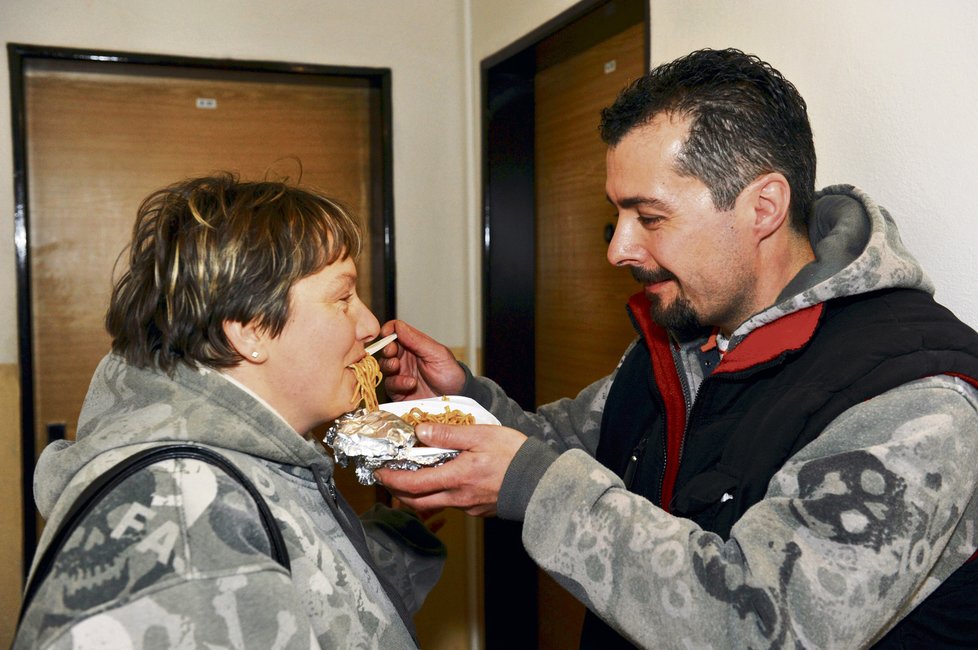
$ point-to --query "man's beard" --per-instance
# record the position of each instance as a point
(678, 316)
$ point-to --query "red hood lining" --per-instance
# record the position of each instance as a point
(767, 342)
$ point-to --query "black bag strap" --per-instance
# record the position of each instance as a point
(119, 472)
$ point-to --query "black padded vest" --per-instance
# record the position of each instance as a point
(773, 394)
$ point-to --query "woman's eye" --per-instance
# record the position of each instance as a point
(344, 301)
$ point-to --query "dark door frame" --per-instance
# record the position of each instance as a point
(509, 264)
(381, 220)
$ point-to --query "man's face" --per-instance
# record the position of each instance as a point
(695, 263)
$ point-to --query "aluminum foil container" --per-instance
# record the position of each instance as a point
(374, 439)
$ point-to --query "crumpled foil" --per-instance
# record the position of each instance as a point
(374, 439)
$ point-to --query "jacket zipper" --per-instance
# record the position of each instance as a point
(632, 466)
(353, 530)
(689, 402)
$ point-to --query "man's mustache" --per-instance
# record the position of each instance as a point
(648, 276)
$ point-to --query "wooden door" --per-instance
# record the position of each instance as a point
(581, 327)
(581, 324)
(99, 141)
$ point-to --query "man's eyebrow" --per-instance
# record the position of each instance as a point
(642, 202)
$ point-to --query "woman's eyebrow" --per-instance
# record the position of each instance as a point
(342, 282)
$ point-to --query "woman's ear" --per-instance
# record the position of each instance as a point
(770, 201)
(247, 339)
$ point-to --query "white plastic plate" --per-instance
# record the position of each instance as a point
(438, 404)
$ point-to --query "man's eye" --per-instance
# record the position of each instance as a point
(647, 220)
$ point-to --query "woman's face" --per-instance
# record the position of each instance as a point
(306, 370)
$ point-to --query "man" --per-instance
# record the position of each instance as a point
(788, 454)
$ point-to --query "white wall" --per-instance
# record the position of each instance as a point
(891, 86)
(420, 40)
(499, 23)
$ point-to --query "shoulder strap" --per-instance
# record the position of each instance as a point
(107, 481)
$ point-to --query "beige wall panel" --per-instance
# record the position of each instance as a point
(441, 623)
(11, 547)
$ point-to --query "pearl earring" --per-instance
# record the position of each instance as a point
(254, 355)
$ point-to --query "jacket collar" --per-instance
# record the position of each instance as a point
(760, 346)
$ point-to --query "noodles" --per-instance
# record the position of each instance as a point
(369, 376)
(416, 416)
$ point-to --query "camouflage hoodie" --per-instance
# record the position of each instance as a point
(649, 574)
(176, 556)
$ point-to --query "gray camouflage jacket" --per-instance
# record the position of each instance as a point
(643, 581)
(176, 556)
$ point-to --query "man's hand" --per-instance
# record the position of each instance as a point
(470, 481)
(416, 366)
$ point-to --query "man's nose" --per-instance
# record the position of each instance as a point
(622, 249)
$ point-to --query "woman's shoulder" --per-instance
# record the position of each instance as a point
(177, 532)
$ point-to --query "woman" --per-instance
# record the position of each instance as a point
(233, 329)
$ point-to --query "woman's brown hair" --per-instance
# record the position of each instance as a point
(215, 249)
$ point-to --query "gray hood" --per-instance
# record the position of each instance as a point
(857, 250)
(128, 407)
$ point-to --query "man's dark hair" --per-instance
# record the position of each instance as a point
(745, 120)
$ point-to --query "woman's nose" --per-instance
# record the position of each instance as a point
(367, 324)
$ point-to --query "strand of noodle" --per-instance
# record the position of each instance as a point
(368, 375)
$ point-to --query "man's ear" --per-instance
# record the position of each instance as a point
(247, 339)
(770, 198)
